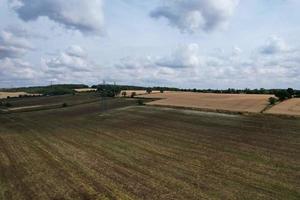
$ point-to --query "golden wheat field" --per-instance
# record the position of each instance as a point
(225, 102)
(4, 95)
(289, 107)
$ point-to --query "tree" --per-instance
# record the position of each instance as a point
(161, 91)
(124, 93)
(149, 90)
(272, 100)
(291, 91)
(133, 94)
(108, 90)
(282, 95)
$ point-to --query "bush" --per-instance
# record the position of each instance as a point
(272, 100)
(64, 105)
(161, 91)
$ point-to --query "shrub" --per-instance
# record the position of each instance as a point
(161, 91)
(64, 105)
(272, 100)
(124, 94)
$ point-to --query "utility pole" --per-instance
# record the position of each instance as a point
(103, 96)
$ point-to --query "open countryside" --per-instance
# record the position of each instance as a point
(149, 100)
(119, 150)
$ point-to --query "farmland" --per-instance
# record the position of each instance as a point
(118, 150)
(4, 95)
(137, 92)
(210, 101)
(289, 107)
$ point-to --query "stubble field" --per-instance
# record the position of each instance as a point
(214, 102)
(288, 107)
(118, 150)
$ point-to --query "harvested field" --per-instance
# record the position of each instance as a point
(86, 90)
(289, 107)
(137, 152)
(138, 92)
(207, 101)
(52, 100)
(4, 95)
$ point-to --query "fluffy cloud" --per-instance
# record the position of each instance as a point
(71, 65)
(193, 15)
(274, 45)
(183, 57)
(13, 45)
(74, 59)
(187, 66)
(16, 72)
(85, 16)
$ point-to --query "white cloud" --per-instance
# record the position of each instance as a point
(14, 70)
(13, 45)
(74, 59)
(274, 45)
(183, 57)
(85, 16)
(194, 15)
(188, 66)
(71, 65)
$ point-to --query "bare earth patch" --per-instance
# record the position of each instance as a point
(289, 107)
(227, 102)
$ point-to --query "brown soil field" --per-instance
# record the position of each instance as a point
(225, 102)
(85, 90)
(139, 152)
(4, 95)
(289, 107)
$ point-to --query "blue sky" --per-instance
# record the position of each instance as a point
(181, 43)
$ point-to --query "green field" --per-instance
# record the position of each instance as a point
(119, 150)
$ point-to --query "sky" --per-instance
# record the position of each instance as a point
(177, 43)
